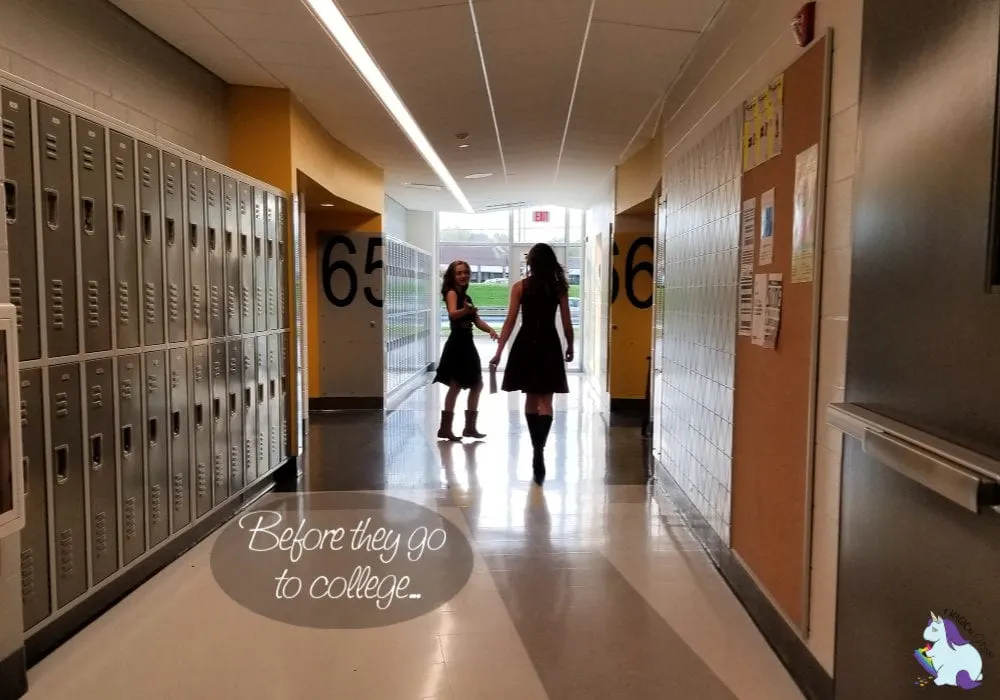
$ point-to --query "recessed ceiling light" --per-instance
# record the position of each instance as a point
(326, 204)
(478, 176)
(421, 186)
(330, 17)
(463, 145)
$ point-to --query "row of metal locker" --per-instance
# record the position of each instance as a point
(117, 244)
(120, 453)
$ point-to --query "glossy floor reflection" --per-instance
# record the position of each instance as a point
(586, 588)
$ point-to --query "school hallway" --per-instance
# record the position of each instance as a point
(589, 587)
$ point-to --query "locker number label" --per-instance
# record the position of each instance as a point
(341, 560)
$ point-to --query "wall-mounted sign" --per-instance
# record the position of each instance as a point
(762, 125)
(540, 217)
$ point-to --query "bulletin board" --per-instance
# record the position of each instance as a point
(783, 184)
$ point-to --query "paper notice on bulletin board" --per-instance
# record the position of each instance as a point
(763, 125)
(766, 309)
(747, 230)
(804, 215)
(759, 308)
(767, 228)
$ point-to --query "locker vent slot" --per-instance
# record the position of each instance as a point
(202, 480)
(62, 464)
(101, 534)
(93, 303)
(96, 396)
(228, 201)
(220, 470)
(170, 184)
(155, 503)
(9, 133)
(147, 227)
(150, 303)
(147, 177)
(58, 318)
(62, 404)
(175, 422)
(193, 190)
(216, 300)
(10, 200)
(124, 312)
(247, 303)
(234, 461)
(24, 413)
(88, 158)
(231, 302)
(127, 440)
(130, 519)
(52, 208)
(87, 204)
(66, 553)
(199, 373)
(51, 146)
(171, 231)
(194, 236)
(119, 219)
(196, 301)
(17, 299)
(28, 575)
(212, 198)
(179, 492)
(199, 416)
(153, 437)
(119, 167)
(126, 389)
(175, 302)
(96, 451)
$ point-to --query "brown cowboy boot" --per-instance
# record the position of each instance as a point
(444, 431)
(470, 426)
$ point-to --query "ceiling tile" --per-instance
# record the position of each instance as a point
(689, 15)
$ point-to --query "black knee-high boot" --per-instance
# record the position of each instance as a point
(542, 426)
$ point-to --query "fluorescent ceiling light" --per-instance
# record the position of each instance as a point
(329, 15)
(326, 204)
(478, 176)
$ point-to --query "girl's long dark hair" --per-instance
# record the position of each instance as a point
(449, 283)
(546, 274)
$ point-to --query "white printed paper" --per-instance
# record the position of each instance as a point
(746, 266)
(759, 308)
(767, 228)
(772, 319)
(804, 218)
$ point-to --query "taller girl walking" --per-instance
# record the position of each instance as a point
(536, 365)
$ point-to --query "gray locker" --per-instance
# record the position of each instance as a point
(175, 247)
(19, 204)
(92, 184)
(35, 535)
(203, 423)
(271, 263)
(246, 258)
(231, 227)
(284, 407)
(180, 455)
(250, 461)
(103, 513)
(234, 387)
(274, 399)
(216, 256)
(151, 247)
(220, 425)
(126, 249)
(65, 428)
(131, 457)
(59, 239)
(282, 237)
(197, 266)
(263, 410)
(156, 440)
(259, 259)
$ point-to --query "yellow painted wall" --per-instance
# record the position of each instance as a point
(636, 178)
(630, 339)
(259, 135)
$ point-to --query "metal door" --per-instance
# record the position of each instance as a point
(131, 457)
(197, 256)
(92, 184)
(216, 255)
(234, 391)
(203, 423)
(151, 245)
(181, 467)
(175, 247)
(220, 425)
(65, 429)
(917, 604)
(155, 439)
(126, 250)
(102, 463)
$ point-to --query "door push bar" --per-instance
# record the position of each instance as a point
(964, 477)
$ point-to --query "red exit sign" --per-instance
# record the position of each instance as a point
(541, 217)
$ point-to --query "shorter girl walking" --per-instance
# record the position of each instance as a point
(460, 367)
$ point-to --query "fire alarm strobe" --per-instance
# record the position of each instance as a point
(804, 24)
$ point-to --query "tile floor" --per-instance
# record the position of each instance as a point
(585, 588)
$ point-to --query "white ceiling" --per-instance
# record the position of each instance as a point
(428, 49)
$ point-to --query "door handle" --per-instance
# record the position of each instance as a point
(965, 478)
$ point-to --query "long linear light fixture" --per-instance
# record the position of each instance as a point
(330, 17)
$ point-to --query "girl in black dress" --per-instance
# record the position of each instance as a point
(536, 363)
(460, 367)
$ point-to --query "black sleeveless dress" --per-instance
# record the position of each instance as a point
(536, 364)
(460, 361)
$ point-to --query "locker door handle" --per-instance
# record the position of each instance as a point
(87, 207)
(52, 208)
(199, 416)
(147, 227)
(212, 242)
(153, 437)
(96, 451)
(175, 421)
(119, 219)
(127, 440)
(217, 409)
(62, 464)
(229, 241)
(10, 200)
(27, 481)
(171, 225)
(194, 235)
(232, 403)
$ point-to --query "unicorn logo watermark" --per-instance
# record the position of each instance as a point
(949, 657)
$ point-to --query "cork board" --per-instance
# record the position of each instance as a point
(774, 398)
